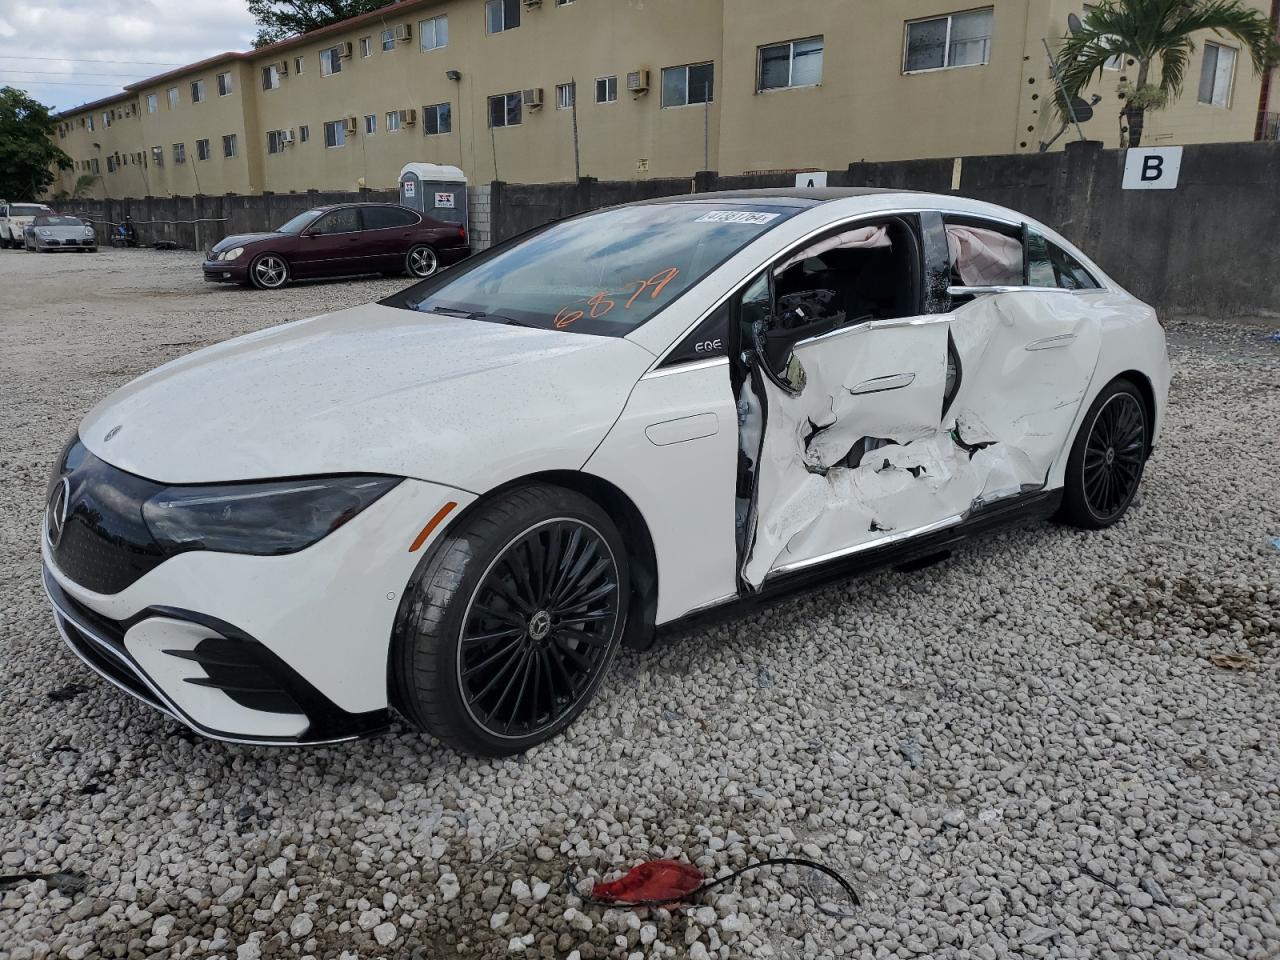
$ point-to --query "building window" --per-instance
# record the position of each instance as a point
(197, 91)
(956, 40)
(693, 83)
(304, 133)
(229, 145)
(1112, 63)
(298, 64)
(434, 33)
(93, 166)
(566, 95)
(370, 123)
(275, 141)
(153, 104)
(106, 119)
(335, 133)
(202, 149)
(111, 164)
(388, 40)
(501, 15)
(179, 153)
(393, 121)
(271, 77)
(157, 156)
(438, 118)
(504, 110)
(224, 84)
(563, 3)
(90, 123)
(366, 47)
(606, 89)
(172, 96)
(330, 61)
(1216, 74)
(794, 64)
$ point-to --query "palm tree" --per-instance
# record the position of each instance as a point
(80, 191)
(1158, 32)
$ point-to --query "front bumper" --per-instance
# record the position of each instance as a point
(226, 271)
(260, 650)
(43, 243)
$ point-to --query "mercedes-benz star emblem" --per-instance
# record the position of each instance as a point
(59, 504)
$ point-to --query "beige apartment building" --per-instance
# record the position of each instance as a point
(545, 90)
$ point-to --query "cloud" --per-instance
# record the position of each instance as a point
(46, 45)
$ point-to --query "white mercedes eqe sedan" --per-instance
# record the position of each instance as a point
(459, 502)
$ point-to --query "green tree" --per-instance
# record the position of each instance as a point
(80, 191)
(1156, 34)
(278, 19)
(27, 151)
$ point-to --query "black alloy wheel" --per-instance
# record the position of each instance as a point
(538, 629)
(1107, 458)
(511, 620)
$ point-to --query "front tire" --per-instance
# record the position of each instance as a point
(509, 625)
(421, 261)
(1107, 458)
(269, 271)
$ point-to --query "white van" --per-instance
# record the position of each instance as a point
(15, 218)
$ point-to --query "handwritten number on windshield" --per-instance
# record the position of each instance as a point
(599, 304)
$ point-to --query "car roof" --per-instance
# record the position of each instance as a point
(778, 196)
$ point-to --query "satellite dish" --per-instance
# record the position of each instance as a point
(1083, 109)
(1073, 22)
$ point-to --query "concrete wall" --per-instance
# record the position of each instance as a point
(1208, 247)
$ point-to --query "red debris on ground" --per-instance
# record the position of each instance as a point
(654, 881)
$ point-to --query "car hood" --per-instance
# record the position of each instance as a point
(372, 389)
(241, 239)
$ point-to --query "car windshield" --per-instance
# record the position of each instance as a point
(604, 273)
(298, 223)
(26, 210)
(58, 222)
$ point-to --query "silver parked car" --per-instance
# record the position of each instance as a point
(54, 231)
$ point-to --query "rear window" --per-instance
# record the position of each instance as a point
(602, 273)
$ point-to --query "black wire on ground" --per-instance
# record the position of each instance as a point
(712, 884)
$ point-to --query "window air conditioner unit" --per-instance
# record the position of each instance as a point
(282, 68)
(408, 117)
(533, 98)
(533, 3)
(404, 32)
(638, 80)
(286, 137)
(352, 126)
(344, 50)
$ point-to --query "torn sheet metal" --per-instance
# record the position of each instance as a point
(840, 468)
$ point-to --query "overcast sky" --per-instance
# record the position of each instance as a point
(51, 48)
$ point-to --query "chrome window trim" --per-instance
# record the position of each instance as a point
(704, 364)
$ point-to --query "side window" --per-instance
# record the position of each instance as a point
(381, 218)
(1048, 265)
(863, 272)
(338, 221)
(984, 254)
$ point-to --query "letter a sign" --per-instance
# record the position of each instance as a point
(1152, 168)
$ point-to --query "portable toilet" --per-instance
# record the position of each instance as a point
(437, 190)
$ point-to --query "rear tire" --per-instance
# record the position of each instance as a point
(1107, 458)
(421, 261)
(509, 624)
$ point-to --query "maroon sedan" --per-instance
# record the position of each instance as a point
(339, 241)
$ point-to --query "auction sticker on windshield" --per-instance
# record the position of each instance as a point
(736, 216)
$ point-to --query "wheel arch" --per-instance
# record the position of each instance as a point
(1148, 394)
(641, 555)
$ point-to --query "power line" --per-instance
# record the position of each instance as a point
(77, 73)
(57, 83)
(128, 63)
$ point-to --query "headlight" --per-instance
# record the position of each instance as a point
(231, 254)
(88, 231)
(44, 233)
(281, 516)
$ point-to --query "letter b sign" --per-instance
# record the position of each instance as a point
(1152, 168)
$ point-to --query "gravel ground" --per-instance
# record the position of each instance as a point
(1056, 744)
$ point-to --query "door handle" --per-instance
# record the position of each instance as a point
(1049, 343)
(684, 428)
(894, 381)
